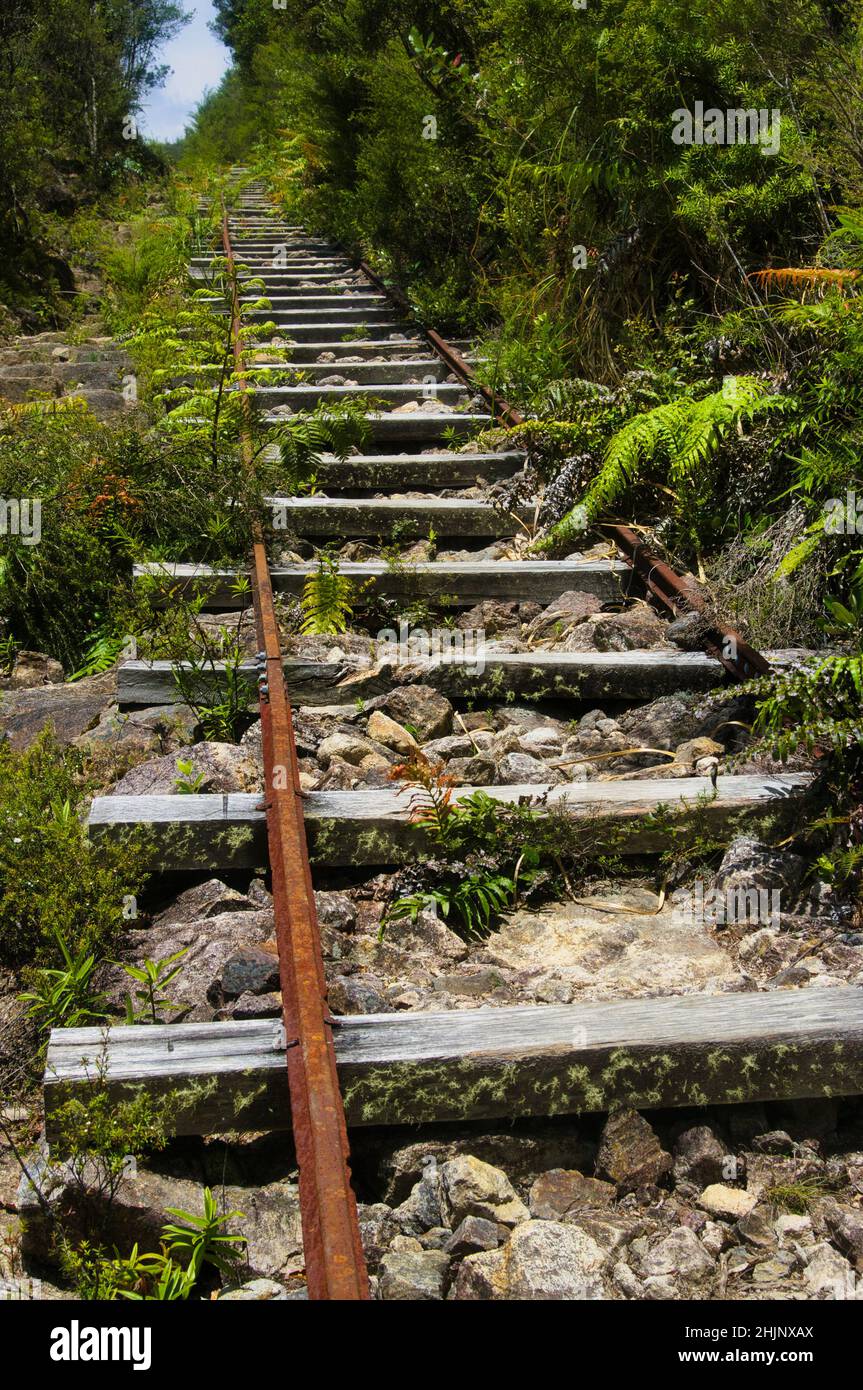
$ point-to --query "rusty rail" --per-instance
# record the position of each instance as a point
(718, 639)
(335, 1265)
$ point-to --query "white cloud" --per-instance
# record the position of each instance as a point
(197, 60)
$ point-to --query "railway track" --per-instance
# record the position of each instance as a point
(340, 321)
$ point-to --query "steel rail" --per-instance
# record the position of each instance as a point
(335, 1264)
(718, 639)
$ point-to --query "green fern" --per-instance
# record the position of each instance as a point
(683, 435)
(817, 704)
(326, 601)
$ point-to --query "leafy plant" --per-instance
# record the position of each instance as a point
(154, 976)
(65, 998)
(186, 782)
(326, 601)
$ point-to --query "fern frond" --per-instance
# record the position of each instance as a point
(326, 600)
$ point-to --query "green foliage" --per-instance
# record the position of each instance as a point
(154, 976)
(61, 896)
(96, 1133)
(327, 599)
(201, 1239)
(65, 997)
(682, 439)
(173, 1272)
(813, 704)
(74, 73)
(474, 902)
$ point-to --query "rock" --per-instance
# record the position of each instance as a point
(156, 729)
(472, 1235)
(790, 1224)
(542, 1260)
(775, 1141)
(845, 1225)
(350, 748)
(668, 721)
(473, 1188)
(610, 1230)
(250, 1006)
(699, 1157)
(248, 971)
(357, 994)
(828, 1275)
(544, 742)
(378, 1228)
(475, 983)
(32, 669)
(420, 709)
(71, 709)
(490, 617)
(455, 746)
(749, 863)
(729, 1202)
(336, 910)
(481, 770)
(388, 732)
(630, 1154)
(770, 1271)
(626, 1281)
(414, 1275)
(257, 1291)
(196, 904)
(271, 1225)
(516, 768)
(697, 750)
(558, 1193)
(427, 936)
(208, 944)
(688, 632)
(757, 1229)
(636, 628)
(224, 767)
(393, 1165)
(679, 1253)
(421, 1211)
(568, 610)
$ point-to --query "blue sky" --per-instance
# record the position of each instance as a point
(197, 60)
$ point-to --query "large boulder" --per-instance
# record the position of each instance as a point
(70, 709)
(223, 767)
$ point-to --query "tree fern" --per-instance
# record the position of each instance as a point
(326, 601)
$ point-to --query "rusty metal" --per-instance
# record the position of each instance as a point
(718, 639)
(335, 1265)
(502, 411)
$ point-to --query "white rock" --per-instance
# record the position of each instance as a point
(729, 1202)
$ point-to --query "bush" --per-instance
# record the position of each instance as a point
(52, 879)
